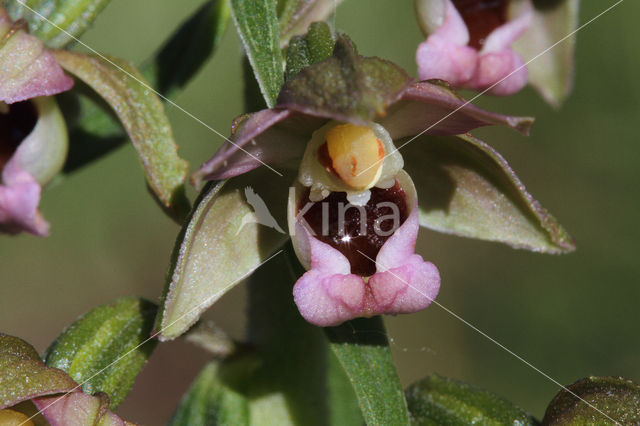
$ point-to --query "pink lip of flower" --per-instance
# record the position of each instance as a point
(446, 55)
(329, 294)
(27, 71)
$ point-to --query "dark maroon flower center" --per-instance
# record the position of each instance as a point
(357, 232)
(15, 125)
(481, 17)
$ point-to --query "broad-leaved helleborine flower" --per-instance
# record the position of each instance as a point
(353, 210)
(33, 135)
(498, 45)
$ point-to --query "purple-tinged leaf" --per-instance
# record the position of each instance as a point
(142, 115)
(23, 375)
(269, 136)
(78, 408)
(27, 69)
(468, 189)
(431, 107)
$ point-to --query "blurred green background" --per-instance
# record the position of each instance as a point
(569, 316)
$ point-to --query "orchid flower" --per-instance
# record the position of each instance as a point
(33, 135)
(341, 135)
(494, 46)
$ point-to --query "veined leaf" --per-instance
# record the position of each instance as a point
(216, 396)
(142, 115)
(220, 245)
(436, 401)
(23, 375)
(106, 348)
(362, 348)
(56, 22)
(257, 26)
(468, 189)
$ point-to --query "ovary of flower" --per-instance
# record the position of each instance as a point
(355, 155)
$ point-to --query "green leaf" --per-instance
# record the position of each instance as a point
(23, 375)
(289, 387)
(295, 16)
(257, 26)
(216, 397)
(315, 46)
(56, 22)
(362, 348)
(603, 401)
(106, 348)
(182, 56)
(345, 85)
(341, 399)
(551, 73)
(142, 115)
(436, 401)
(219, 246)
(468, 189)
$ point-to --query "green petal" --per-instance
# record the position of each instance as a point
(466, 188)
(141, 113)
(219, 246)
(106, 348)
(23, 375)
(552, 72)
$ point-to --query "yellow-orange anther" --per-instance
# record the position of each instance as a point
(356, 155)
(11, 418)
